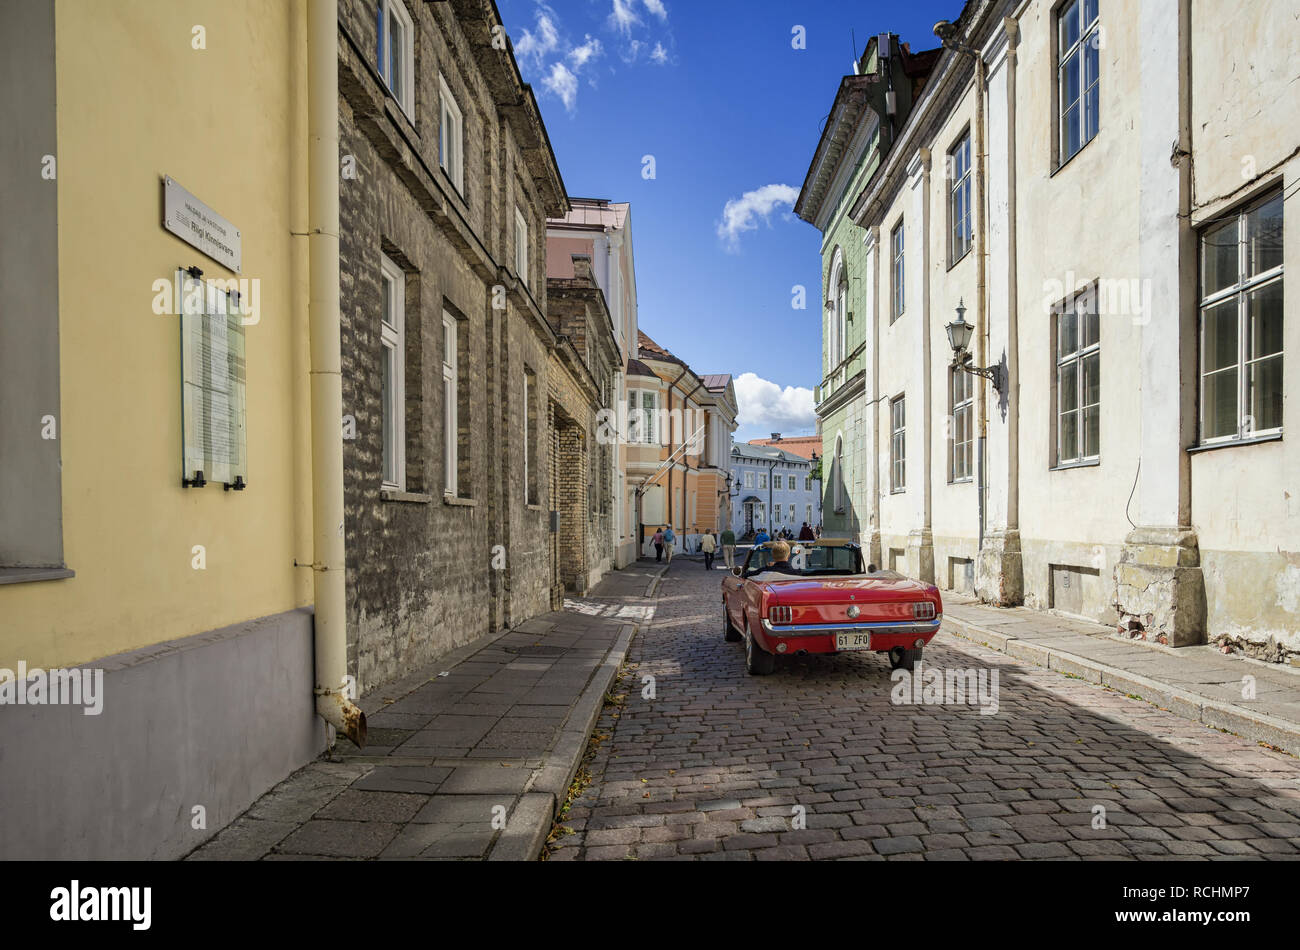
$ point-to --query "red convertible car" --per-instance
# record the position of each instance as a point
(826, 600)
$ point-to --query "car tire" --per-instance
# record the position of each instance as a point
(900, 659)
(729, 633)
(758, 662)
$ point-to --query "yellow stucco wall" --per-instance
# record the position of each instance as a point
(136, 102)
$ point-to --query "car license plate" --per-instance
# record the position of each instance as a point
(853, 641)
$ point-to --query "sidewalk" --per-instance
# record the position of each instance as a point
(1197, 683)
(466, 760)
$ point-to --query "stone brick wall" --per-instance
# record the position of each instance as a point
(421, 574)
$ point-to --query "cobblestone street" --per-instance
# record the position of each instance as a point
(815, 762)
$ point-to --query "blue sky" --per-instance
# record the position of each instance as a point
(715, 92)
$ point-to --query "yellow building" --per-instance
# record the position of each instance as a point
(680, 428)
(192, 602)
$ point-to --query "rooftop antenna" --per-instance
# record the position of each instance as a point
(853, 33)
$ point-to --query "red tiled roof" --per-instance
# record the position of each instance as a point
(803, 445)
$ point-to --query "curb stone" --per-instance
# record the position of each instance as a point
(534, 813)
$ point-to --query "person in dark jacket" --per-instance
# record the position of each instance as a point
(806, 533)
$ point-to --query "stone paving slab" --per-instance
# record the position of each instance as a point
(1192, 682)
(819, 762)
(471, 757)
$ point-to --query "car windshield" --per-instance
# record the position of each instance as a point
(811, 560)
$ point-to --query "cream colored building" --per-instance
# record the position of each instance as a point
(1101, 184)
(602, 230)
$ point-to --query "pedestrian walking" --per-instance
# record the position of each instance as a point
(708, 545)
(729, 548)
(806, 533)
(670, 541)
(762, 537)
(658, 539)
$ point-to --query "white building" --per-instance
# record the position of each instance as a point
(1106, 187)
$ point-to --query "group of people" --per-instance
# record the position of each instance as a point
(665, 540)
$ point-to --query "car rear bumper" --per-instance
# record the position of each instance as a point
(820, 638)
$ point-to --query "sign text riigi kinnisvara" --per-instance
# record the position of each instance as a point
(199, 226)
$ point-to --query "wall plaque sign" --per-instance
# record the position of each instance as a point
(199, 226)
(214, 439)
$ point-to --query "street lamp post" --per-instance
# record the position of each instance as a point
(959, 334)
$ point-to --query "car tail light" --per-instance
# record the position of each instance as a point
(923, 610)
(779, 614)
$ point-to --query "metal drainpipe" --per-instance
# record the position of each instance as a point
(1013, 320)
(981, 81)
(329, 560)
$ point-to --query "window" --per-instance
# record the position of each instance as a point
(391, 329)
(749, 479)
(959, 203)
(792, 514)
(451, 137)
(450, 403)
(521, 247)
(1078, 380)
(897, 445)
(837, 316)
(762, 480)
(808, 513)
(1241, 324)
(961, 386)
(650, 417)
(807, 483)
(896, 271)
(395, 50)
(792, 483)
(1078, 33)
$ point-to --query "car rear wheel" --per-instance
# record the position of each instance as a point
(729, 633)
(900, 659)
(758, 662)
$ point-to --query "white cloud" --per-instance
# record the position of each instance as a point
(537, 46)
(579, 56)
(771, 408)
(741, 214)
(561, 81)
(657, 8)
(659, 54)
(623, 17)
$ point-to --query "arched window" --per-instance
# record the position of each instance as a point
(835, 312)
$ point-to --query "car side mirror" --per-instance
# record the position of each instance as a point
(736, 571)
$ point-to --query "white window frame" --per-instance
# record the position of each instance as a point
(528, 495)
(450, 407)
(451, 136)
(960, 406)
(521, 246)
(749, 479)
(898, 444)
(898, 295)
(392, 336)
(961, 215)
(1083, 309)
(1089, 37)
(1241, 289)
(403, 95)
(762, 480)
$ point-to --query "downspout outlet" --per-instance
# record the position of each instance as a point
(343, 714)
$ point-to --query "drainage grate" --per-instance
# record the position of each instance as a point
(537, 651)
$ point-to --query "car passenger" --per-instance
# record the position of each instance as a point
(781, 560)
